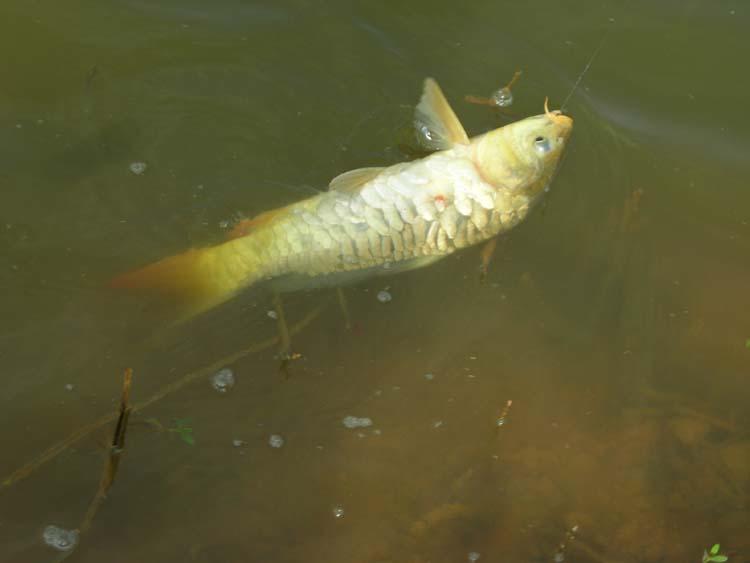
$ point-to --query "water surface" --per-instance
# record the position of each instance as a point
(615, 318)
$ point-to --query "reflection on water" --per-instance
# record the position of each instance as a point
(614, 319)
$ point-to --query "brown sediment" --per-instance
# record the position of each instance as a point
(438, 515)
(672, 402)
(55, 450)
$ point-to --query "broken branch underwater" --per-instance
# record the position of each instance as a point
(55, 450)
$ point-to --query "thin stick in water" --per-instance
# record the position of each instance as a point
(344, 308)
(115, 452)
(56, 449)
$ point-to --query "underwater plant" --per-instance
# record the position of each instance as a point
(713, 555)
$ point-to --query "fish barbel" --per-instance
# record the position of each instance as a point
(378, 220)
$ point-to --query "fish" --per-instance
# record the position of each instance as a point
(377, 220)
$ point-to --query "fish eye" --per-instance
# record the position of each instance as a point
(542, 145)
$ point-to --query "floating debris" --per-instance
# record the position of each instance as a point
(384, 296)
(437, 424)
(503, 416)
(473, 556)
(429, 376)
(338, 511)
(276, 441)
(60, 538)
(570, 535)
(69, 386)
(137, 168)
(356, 422)
(272, 314)
(223, 380)
(239, 443)
(500, 98)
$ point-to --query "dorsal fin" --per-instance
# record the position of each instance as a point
(351, 181)
(437, 124)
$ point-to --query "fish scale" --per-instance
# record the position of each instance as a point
(329, 216)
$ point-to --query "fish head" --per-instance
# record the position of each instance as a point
(522, 157)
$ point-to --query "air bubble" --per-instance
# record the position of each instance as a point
(60, 538)
(276, 441)
(137, 168)
(223, 380)
(502, 98)
(384, 296)
(356, 422)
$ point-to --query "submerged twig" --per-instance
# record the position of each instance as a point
(502, 418)
(285, 342)
(55, 450)
(485, 255)
(115, 452)
(344, 308)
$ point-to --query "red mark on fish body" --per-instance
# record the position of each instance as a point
(440, 202)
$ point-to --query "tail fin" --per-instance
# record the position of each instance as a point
(195, 281)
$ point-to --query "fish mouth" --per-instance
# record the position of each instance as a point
(556, 116)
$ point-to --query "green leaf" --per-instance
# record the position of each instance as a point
(719, 558)
(715, 549)
(187, 437)
(747, 343)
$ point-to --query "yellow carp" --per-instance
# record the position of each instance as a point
(378, 220)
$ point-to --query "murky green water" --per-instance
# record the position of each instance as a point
(615, 318)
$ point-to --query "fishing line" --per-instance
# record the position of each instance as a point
(586, 68)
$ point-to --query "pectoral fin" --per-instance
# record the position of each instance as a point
(435, 120)
(354, 179)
